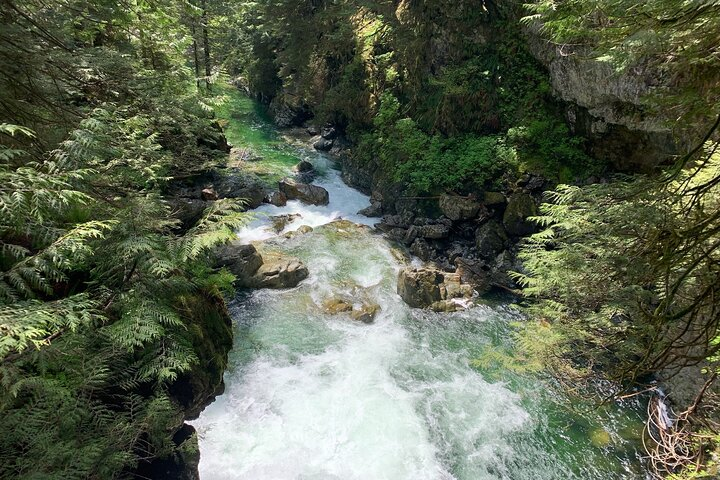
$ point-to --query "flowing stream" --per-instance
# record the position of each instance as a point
(416, 395)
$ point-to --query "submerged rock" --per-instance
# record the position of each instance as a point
(305, 171)
(306, 193)
(335, 306)
(365, 313)
(279, 222)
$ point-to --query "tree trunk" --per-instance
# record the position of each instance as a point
(196, 55)
(206, 44)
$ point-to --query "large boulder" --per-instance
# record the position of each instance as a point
(420, 287)
(241, 260)
(234, 183)
(474, 272)
(459, 208)
(278, 199)
(519, 208)
(277, 272)
(323, 144)
(490, 239)
(306, 193)
(494, 199)
(429, 287)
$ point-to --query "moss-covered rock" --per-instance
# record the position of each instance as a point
(519, 208)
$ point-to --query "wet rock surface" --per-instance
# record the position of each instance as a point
(306, 193)
(432, 288)
(278, 272)
(253, 270)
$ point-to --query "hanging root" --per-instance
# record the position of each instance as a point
(670, 440)
(669, 443)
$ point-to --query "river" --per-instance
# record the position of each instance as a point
(416, 395)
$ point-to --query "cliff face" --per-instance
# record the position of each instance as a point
(607, 107)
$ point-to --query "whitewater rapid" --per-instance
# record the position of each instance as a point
(315, 396)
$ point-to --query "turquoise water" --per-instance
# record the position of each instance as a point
(312, 395)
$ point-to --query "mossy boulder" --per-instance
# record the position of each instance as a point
(519, 208)
(490, 239)
(459, 208)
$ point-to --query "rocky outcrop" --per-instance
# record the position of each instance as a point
(287, 110)
(607, 106)
(306, 193)
(432, 288)
(323, 144)
(192, 391)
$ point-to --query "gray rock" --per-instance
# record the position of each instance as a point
(459, 208)
(278, 199)
(374, 210)
(305, 172)
(410, 235)
(235, 183)
(474, 272)
(490, 239)
(422, 249)
(323, 145)
(434, 232)
(420, 288)
(313, 130)
(188, 210)
(278, 272)
(240, 259)
(306, 193)
(328, 133)
(520, 207)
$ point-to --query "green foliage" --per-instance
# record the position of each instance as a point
(101, 294)
(629, 269)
